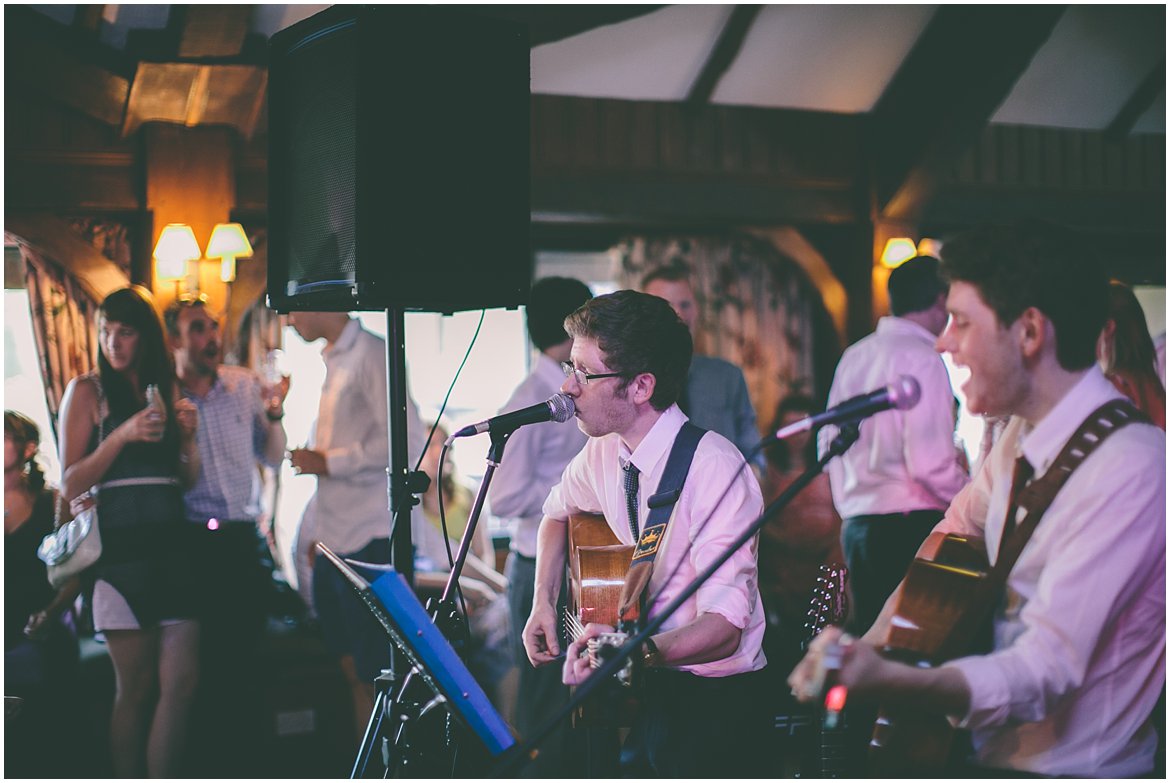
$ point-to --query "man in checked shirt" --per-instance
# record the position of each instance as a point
(240, 427)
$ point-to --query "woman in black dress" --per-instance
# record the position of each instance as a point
(135, 455)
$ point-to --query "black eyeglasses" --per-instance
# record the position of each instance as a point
(583, 378)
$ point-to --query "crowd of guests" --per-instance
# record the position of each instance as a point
(177, 488)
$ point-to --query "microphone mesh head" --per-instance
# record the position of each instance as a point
(562, 407)
(906, 392)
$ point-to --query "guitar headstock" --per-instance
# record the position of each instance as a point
(830, 603)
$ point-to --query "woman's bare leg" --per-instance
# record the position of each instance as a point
(135, 658)
(178, 674)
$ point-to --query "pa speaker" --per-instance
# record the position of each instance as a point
(399, 161)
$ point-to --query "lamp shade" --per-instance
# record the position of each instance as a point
(897, 251)
(176, 246)
(228, 241)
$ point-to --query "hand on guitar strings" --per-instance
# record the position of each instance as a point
(580, 661)
(852, 662)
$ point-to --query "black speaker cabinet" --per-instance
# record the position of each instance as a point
(398, 161)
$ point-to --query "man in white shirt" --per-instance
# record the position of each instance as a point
(702, 712)
(892, 486)
(534, 458)
(349, 513)
(1078, 659)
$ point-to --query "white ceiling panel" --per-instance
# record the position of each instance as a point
(1088, 68)
(655, 57)
(835, 58)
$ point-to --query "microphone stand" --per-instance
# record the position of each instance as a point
(446, 616)
(525, 752)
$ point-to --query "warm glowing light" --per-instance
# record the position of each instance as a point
(228, 242)
(929, 247)
(898, 250)
(176, 246)
(213, 524)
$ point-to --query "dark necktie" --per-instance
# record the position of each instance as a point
(1020, 477)
(630, 482)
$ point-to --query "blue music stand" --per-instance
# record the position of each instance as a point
(396, 608)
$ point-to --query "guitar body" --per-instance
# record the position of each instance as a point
(598, 564)
(945, 598)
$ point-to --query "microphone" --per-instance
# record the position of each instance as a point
(903, 394)
(558, 408)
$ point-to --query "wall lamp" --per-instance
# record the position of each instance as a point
(899, 250)
(228, 242)
(177, 247)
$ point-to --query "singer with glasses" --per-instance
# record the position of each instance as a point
(703, 710)
(892, 486)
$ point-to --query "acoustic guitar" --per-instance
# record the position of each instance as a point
(942, 608)
(598, 563)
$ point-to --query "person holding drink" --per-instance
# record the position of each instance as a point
(133, 459)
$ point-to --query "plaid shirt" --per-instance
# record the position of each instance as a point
(233, 436)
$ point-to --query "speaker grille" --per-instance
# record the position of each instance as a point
(322, 154)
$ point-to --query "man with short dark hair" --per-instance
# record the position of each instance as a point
(1079, 651)
(892, 486)
(702, 712)
(715, 396)
(240, 428)
(350, 455)
(535, 457)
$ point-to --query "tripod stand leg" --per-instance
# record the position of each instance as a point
(370, 738)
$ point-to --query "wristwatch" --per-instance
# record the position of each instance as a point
(650, 654)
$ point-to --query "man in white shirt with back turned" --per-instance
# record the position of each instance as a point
(349, 513)
(892, 486)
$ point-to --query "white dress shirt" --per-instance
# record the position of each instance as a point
(592, 483)
(1080, 644)
(534, 458)
(351, 505)
(904, 460)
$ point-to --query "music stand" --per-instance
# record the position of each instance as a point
(398, 611)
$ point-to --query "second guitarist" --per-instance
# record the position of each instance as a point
(1079, 649)
(703, 710)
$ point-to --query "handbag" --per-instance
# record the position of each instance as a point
(76, 545)
(73, 547)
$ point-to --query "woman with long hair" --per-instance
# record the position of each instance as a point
(40, 648)
(1126, 353)
(134, 451)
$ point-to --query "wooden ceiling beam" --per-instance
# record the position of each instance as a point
(963, 66)
(1143, 97)
(726, 49)
(65, 64)
(212, 30)
(53, 238)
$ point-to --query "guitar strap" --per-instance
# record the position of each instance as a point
(661, 503)
(1035, 499)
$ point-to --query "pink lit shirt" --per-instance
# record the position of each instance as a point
(1080, 642)
(593, 483)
